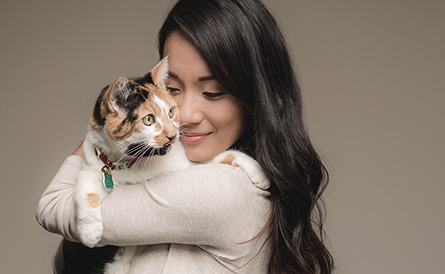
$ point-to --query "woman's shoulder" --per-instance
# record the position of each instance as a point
(222, 178)
(211, 189)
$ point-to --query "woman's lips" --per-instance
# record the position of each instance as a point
(193, 137)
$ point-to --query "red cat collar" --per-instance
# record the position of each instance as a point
(110, 165)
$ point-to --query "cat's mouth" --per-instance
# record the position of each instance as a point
(144, 150)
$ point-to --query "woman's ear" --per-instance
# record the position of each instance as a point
(159, 73)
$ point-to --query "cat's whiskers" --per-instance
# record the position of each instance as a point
(140, 150)
(136, 151)
(119, 148)
(149, 158)
(181, 129)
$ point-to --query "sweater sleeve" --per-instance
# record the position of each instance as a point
(210, 205)
(55, 211)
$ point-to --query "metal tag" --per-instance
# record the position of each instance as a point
(108, 181)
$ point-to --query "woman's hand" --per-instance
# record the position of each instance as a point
(79, 151)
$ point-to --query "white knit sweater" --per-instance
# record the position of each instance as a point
(205, 219)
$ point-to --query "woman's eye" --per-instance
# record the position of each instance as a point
(173, 91)
(148, 120)
(213, 95)
(171, 113)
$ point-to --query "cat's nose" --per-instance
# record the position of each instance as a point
(170, 140)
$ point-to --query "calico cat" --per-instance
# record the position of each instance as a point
(132, 138)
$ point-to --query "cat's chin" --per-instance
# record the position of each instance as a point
(143, 150)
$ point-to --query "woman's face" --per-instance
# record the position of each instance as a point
(212, 119)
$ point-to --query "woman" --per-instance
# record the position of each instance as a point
(232, 77)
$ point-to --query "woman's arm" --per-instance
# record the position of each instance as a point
(211, 205)
(79, 151)
(55, 211)
(214, 205)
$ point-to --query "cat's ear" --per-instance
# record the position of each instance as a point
(159, 73)
(117, 95)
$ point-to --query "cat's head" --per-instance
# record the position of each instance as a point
(137, 117)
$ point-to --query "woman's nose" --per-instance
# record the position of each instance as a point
(189, 109)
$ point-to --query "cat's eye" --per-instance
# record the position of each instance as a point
(171, 113)
(148, 120)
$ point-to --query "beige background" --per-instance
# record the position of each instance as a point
(373, 74)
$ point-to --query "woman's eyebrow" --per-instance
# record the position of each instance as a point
(173, 75)
(200, 79)
(206, 78)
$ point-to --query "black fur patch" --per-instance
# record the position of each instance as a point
(146, 79)
(133, 101)
(97, 115)
(130, 105)
(81, 259)
(143, 150)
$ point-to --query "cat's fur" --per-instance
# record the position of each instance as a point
(118, 130)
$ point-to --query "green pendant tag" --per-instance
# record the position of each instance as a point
(108, 181)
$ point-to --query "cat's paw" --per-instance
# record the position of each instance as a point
(90, 233)
(255, 174)
(247, 164)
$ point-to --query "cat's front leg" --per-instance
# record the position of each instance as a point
(251, 167)
(88, 196)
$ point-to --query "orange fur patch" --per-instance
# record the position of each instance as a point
(93, 200)
(228, 159)
(94, 126)
(114, 122)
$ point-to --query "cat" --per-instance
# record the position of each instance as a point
(132, 137)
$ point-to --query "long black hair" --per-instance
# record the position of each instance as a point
(248, 55)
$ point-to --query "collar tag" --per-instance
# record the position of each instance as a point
(107, 181)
